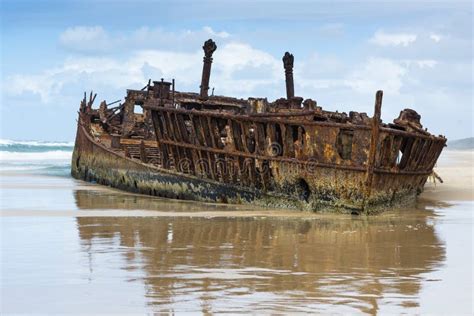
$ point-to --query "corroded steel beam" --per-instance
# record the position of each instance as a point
(374, 140)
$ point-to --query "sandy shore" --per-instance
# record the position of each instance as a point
(456, 170)
(64, 196)
(69, 245)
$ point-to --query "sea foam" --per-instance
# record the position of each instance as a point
(37, 157)
(7, 145)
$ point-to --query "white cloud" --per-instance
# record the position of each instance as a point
(377, 74)
(74, 71)
(86, 38)
(237, 56)
(382, 38)
(420, 63)
(331, 29)
(82, 33)
(96, 40)
(42, 85)
(241, 70)
(222, 34)
(238, 69)
(435, 37)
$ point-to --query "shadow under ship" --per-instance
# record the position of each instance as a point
(289, 153)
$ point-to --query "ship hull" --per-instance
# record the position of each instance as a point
(93, 162)
(331, 190)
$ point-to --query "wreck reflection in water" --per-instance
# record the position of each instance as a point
(241, 264)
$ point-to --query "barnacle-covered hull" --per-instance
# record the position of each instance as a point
(329, 189)
(95, 162)
(287, 153)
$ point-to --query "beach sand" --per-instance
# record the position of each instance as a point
(456, 170)
(68, 246)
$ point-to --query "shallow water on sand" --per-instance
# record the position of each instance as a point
(69, 246)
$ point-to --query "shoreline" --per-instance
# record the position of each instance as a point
(455, 167)
(91, 200)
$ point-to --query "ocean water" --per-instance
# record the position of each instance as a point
(36, 157)
(71, 247)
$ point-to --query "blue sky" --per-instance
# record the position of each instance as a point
(418, 52)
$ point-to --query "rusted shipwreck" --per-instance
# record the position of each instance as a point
(288, 153)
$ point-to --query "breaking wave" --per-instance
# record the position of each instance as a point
(37, 157)
(34, 146)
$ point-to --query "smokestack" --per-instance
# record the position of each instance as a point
(209, 48)
(288, 65)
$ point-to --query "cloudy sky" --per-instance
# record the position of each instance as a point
(418, 52)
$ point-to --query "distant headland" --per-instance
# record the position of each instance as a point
(461, 144)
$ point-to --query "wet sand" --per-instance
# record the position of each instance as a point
(75, 247)
(456, 169)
